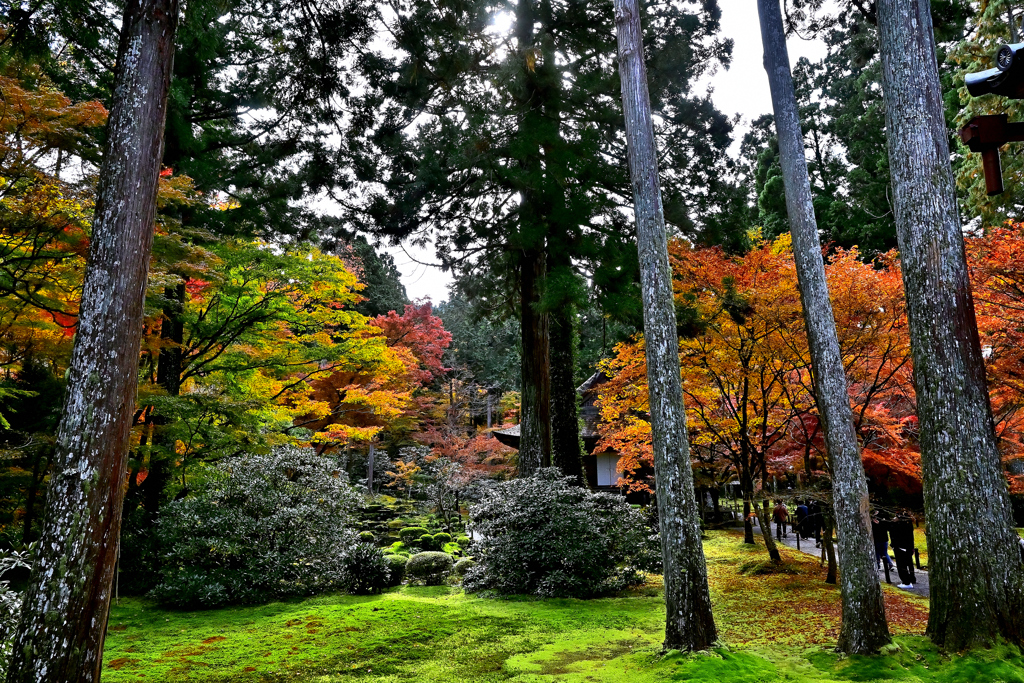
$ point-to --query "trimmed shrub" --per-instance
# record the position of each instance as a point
(442, 538)
(366, 570)
(366, 536)
(259, 527)
(546, 536)
(463, 566)
(396, 563)
(398, 548)
(426, 542)
(411, 534)
(463, 541)
(430, 568)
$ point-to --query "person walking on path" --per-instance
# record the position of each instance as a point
(880, 532)
(901, 532)
(814, 516)
(781, 515)
(803, 526)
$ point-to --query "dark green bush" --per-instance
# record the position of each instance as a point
(546, 536)
(426, 542)
(396, 563)
(463, 541)
(366, 536)
(430, 568)
(258, 527)
(463, 566)
(442, 538)
(411, 534)
(366, 570)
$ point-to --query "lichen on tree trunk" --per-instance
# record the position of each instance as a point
(689, 623)
(976, 574)
(864, 628)
(64, 618)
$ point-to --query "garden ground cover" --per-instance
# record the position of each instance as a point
(774, 627)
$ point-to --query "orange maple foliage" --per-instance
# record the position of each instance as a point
(997, 279)
(745, 369)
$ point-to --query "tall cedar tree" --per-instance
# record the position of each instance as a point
(64, 618)
(842, 115)
(864, 628)
(689, 622)
(503, 149)
(977, 577)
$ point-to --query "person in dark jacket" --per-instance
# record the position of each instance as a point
(880, 533)
(901, 532)
(803, 526)
(814, 518)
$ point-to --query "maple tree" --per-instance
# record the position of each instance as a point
(997, 279)
(746, 370)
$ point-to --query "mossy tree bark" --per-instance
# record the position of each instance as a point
(566, 453)
(690, 624)
(64, 619)
(864, 627)
(976, 574)
(535, 416)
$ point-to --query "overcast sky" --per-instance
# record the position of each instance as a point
(743, 89)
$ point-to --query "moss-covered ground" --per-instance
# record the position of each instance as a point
(774, 627)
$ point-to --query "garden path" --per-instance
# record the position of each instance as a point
(921, 585)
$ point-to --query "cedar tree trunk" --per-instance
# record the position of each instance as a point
(534, 416)
(690, 624)
(977, 577)
(64, 619)
(864, 628)
(566, 453)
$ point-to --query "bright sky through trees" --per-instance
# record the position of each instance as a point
(743, 90)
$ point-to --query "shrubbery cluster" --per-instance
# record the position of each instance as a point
(262, 526)
(546, 536)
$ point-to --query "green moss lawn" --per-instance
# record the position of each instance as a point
(773, 627)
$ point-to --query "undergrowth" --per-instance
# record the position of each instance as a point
(777, 627)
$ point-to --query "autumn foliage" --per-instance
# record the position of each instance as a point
(745, 369)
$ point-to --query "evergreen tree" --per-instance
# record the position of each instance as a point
(843, 121)
(997, 22)
(505, 150)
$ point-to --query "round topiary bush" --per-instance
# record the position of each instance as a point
(463, 566)
(547, 536)
(442, 538)
(366, 536)
(426, 542)
(463, 541)
(396, 563)
(430, 568)
(411, 534)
